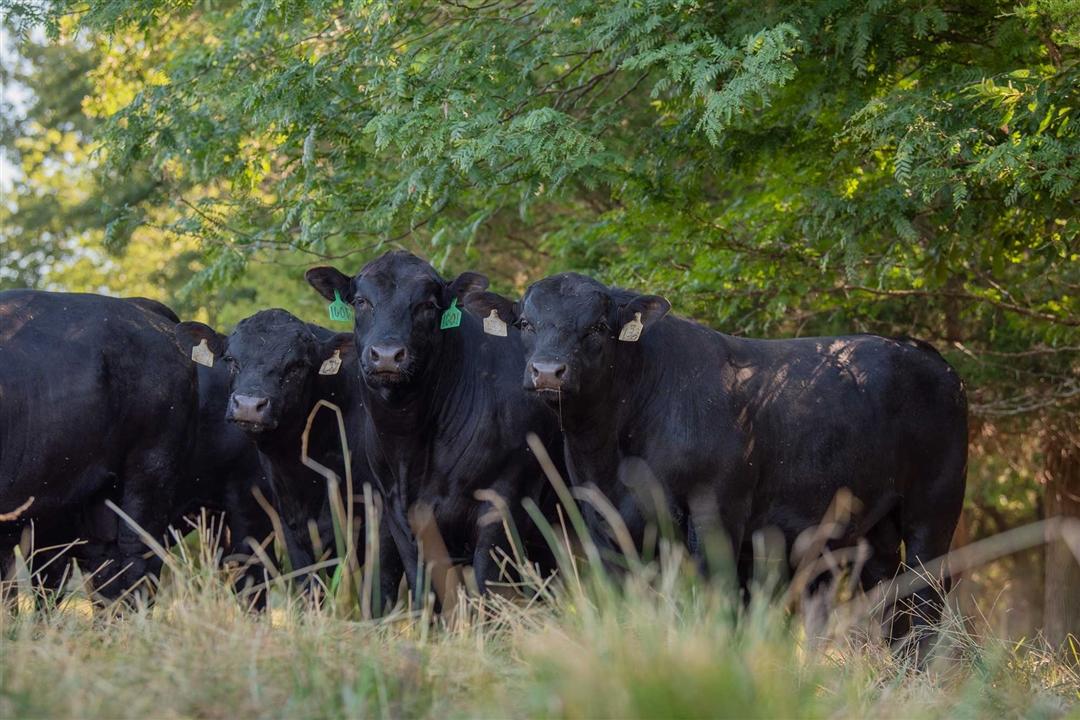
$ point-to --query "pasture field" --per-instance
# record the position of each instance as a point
(657, 643)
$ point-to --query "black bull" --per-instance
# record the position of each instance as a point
(277, 370)
(217, 470)
(749, 433)
(96, 400)
(448, 417)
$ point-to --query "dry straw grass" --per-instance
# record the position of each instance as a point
(656, 641)
(659, 642)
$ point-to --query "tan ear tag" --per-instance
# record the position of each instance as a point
(631, 331)
(494, 325)
(202, 354)
(331, 365)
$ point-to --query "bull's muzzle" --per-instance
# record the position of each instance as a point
(249, 412)
(547, 375)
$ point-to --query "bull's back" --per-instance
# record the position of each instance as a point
(885, 418)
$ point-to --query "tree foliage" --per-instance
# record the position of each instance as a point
(890, 166)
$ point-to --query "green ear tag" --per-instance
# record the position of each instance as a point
(339, 311)
(451, 317)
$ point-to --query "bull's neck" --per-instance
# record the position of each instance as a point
(593, 423)
(281, 446)
(411, 410)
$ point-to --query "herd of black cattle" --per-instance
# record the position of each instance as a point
(440, 384)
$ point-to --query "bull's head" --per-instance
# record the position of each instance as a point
(274, 359)
(572, 326)
(397, 300)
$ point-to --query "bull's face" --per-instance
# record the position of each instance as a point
(398, 301)
(570, 326)
(274, 360)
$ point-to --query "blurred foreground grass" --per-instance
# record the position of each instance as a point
(657, 644)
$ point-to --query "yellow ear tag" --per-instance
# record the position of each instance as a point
(494, 325)
(201, 354)
(631, 331)
(331, 365)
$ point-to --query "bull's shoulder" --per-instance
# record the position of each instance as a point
(155, 307)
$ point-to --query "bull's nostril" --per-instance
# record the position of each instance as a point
(261, 403)
(547, 375)
(388, 358)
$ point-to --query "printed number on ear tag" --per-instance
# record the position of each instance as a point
(202, 354)
(331, 365)
(494, 325)
(631, 331)
(451, 317)
(339, 310)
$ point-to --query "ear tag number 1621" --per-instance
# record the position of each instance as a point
(339, 310)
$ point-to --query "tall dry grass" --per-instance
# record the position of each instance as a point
(657, 642)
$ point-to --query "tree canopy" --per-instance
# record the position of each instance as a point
(774, 167)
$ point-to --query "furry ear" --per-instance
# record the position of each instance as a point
(191, 336)
(481, 304)
(638, 315)
(496, 312)
(462, 286)
(328, 279)
(335, 351)
(344, 343)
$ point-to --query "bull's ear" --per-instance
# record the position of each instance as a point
(638, 315)
(326, 280)
(192, 335)
(481, 304)
(462, 286)
(335, 351)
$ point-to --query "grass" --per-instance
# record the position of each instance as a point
(657, 643)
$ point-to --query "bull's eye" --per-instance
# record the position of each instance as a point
(231, 361)
(361, 303)
(427, 306)
(524, 325)
(600, 328)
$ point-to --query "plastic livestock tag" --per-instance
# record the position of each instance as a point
(202, 354)
(339, 310)
(631, 331)
(451, 317)
(331, 365)
(494, 325)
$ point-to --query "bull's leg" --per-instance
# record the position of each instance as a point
(490, 539)
(243, 517)
(390, 570)
(923, 544)
(882, 567)
(9, 539)
(734, 513)
(149, 483)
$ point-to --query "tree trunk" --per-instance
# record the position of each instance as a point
(1062, 600)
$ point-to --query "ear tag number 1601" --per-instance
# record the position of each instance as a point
(339, 310)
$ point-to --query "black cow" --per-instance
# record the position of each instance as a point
(756, 433)
(219, 475)
(448, 415)
(96, 401)
(280, 368)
